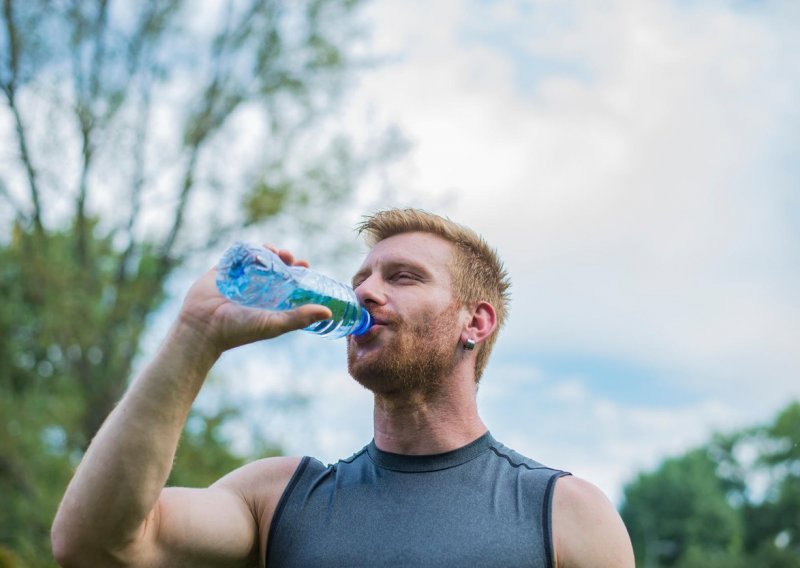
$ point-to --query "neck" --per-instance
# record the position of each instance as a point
(419, 423)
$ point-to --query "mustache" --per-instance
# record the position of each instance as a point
(384, 318)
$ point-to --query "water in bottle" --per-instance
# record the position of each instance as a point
(256, 277)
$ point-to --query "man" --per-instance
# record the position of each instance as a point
(432, 489)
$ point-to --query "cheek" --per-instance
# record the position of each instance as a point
(443, 322)
(417, 308)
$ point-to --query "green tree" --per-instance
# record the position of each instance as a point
(733, 502)
(136, 135)
(772, 515)
(679, 509)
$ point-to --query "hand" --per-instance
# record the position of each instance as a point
(225, 324)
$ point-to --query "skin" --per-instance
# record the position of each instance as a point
(116, 511)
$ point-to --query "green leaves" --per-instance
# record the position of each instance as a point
(679, 507)
(785, 432)
(265, 200)
(734, 502)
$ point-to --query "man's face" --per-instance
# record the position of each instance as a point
(405, 284)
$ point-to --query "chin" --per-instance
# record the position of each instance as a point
(364, 368)
(395, 376)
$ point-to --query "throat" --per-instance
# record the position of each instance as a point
(418, 424)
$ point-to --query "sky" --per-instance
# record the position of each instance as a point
(635, 163)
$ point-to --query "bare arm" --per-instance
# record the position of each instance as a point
(115, 511)
(587, 530)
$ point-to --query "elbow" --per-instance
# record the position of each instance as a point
(68, 547)
(60, 544)
(76, 545)
(63, 543)
(69, 552)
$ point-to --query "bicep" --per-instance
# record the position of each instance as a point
(587, 530)
(204, 527)
(223, 525)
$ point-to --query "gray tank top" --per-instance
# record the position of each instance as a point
(481, 505)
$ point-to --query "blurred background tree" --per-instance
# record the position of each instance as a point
(735, 502)
(137, 135)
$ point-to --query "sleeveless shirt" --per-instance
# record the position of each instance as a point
(481, 505)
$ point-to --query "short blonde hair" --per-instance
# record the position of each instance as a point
(477, 271)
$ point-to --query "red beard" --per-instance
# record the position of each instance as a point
(415, 358)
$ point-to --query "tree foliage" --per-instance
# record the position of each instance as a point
(733, 502)
(680, 507)
(136, 134)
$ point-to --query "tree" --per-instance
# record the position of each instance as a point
(772, 514)
(733, 502)
(680, 508)
(137, 135)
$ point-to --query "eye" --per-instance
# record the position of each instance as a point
(400, 276)
(358, 279)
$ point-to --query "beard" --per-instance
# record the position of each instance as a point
(416, 359)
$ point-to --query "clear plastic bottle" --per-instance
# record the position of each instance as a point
(256, 277)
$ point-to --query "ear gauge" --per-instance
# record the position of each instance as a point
(469, 344)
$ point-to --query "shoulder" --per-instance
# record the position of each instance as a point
(587, 530)
(260, 476)
(261, 484)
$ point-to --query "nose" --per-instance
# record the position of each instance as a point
(370, 291)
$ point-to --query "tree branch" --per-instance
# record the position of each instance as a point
(150, 27)
(180, 210)
(214, 112)
(137, 186)
(9, 88)
(86, 99)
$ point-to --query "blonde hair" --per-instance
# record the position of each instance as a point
(477, 271)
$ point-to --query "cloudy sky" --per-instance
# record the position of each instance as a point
(636, 164)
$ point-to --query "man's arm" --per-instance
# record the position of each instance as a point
(116, 511)
(587, 530)
(224, 525)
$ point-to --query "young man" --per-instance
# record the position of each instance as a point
(432, 489)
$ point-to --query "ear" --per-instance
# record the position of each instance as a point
(482, 323)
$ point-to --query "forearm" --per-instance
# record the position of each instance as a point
(120, 478)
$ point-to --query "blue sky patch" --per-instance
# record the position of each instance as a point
(622, 381)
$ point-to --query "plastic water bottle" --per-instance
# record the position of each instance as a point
(256, 277)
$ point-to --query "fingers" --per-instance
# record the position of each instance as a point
(286, 256)
(313, 313)
(302, 317)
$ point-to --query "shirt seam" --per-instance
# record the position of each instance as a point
(284, 500)
(424, 470)
(355, 456)
(519, 464)
(547, 517)
(467, 456)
